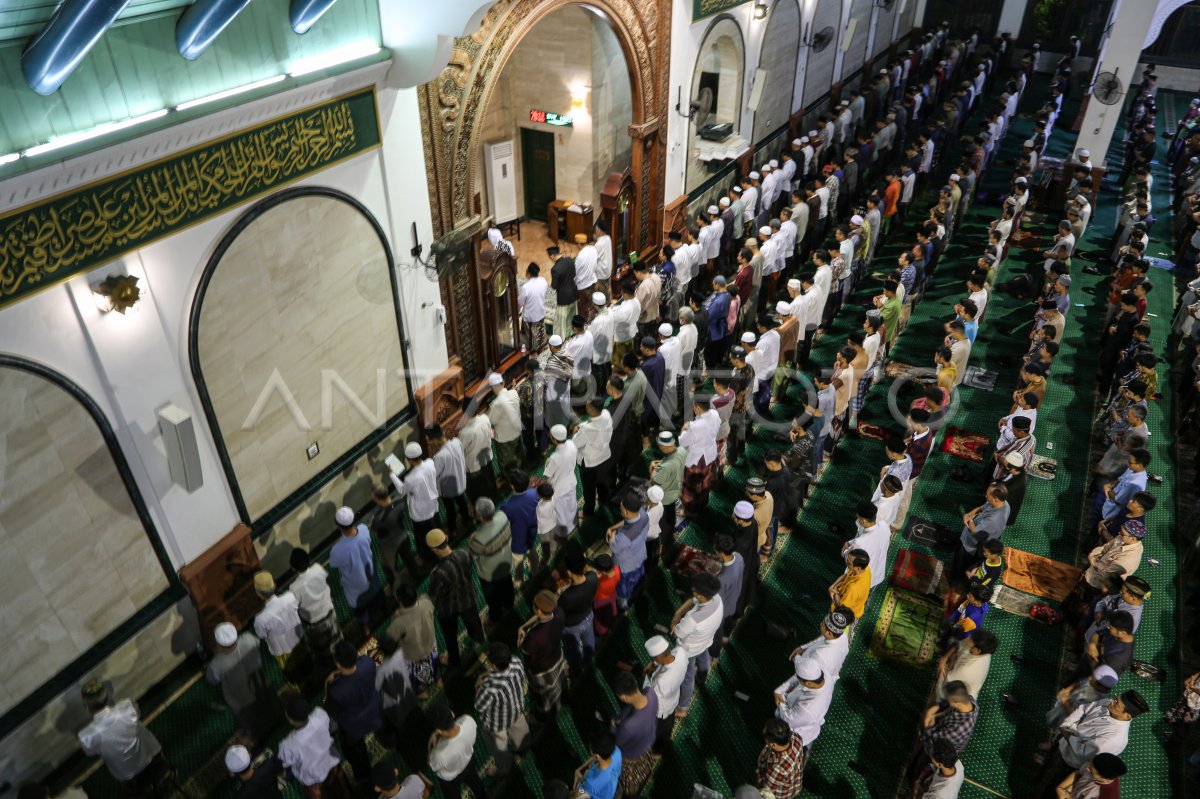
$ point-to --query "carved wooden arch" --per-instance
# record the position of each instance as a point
(452, 105)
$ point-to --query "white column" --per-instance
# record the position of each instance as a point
(1119, 54)
(1011, 16)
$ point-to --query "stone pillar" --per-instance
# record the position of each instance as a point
(1129, 23)
(1011, 16)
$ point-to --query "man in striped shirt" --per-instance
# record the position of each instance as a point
(500, 705)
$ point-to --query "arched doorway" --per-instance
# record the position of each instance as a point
(454, 114)
(717, 82)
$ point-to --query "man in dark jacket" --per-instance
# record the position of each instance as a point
(1014, 480)
(353, 702)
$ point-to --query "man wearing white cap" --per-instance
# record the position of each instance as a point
(353, 559)
(625, 319)
(809, 150)
(420, 488)
(772, 264)
(237, 668)
(750, 194)
(531, 300)
(602, 329)
(804, 700)
(699, 440)
(255, 780)
(737, 208)
(560, 473)
(689, 337)
(831, 646)
(592, 439)
(710, 235)
(664, 676)
(505, 416)
(667, 473)
(770, 191)
(671, 350)
(580, 347)
(787, 238)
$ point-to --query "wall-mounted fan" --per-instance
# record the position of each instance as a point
(823, 38)
(1107, 89)
(447, 255)
(707, 102)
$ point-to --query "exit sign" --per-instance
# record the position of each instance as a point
(550, 118)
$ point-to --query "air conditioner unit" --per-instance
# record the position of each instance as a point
(501, 168)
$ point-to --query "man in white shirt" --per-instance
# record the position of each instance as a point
(664, 675)
(872, 538)
(750, 197)
(695, 625)
(688, 337)
(810, 151)
(532, 301)
(769, 189)
(307, 751)
(948, 774)
(560, 473)
(592, 440)
(886, 499)
(768, 344)
(772, 260)
(585, 276)
(604, 257)
(116, 735)
(420, 488)
(452, 750)
(476, 438)
(831, 646)
(1095, 727)
(315, 600)
(804, 699)
(787, 236)
(278, 623)
(505, 416)
(625, 322)
(580, 347)
(387, 783)
(602, 329)
(450, 463)
(671, 350)
(710, 236)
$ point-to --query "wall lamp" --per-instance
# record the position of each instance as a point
(118, 293)
(693, 106)
(760, 10)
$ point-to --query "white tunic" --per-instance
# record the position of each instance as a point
(700, 438)
(560, 473)
(666, 682)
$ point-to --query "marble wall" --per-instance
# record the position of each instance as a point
(282, 370)
(77, 560)
(611, 101)
(780, 47)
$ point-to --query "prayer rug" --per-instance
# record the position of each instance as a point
(969, 446)
(868, 430)
(1040, 576)
(765, 566)
(691, 561)
(898, 369)
(926, 533)
(1026, 240)
(1013, 601)
(980, 378)
(916, 572)
(907, 628)
(1042, 468)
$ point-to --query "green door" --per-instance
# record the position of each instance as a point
(537, 163)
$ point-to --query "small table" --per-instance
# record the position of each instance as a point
(559, 219)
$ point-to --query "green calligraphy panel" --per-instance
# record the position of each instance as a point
(706, 8)
(49, 242)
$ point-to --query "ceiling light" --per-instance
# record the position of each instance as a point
(340, 55)
(74, 138)
(760, 10)
(212, 98)
(118, 293)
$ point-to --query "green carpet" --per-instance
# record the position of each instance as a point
(877, 700)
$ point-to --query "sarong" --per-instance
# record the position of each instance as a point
(546, 688)
(423, 672)
(697, 482)
(635, 773)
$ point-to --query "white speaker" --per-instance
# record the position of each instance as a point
(756, 91)
(179, 438)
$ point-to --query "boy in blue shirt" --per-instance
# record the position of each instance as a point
(599, 776)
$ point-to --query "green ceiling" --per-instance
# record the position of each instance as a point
(135, 69)
(22, 19)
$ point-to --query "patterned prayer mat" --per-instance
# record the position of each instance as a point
(926, 533)
(868, 430)
(1013, 601)
(907, 629)
(1040, 576)
(1027, 241)
(896, 369)
(961, 444)
(916, 572)
(1042, 468)
(691, 561)
(980, 378)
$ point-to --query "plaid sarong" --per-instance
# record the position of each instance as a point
(860, 396)
(546, 689)
(635, 773)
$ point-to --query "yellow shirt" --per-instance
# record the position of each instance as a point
(947, 376)
(853, 589)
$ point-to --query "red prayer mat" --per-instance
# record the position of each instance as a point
(917, 572)
(969, 446)
(868, 430)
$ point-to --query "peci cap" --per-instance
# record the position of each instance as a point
(954, 177)
(836, 622)
(712, 210)
(545, 601)
(748, 337)
(1105, 675)
(657, 645)
(225, 634)
(856, 219)
(237, 759)
(743, 510)
(598, 299)
(556, 340)
(783, 309)
(1015, 459)
(436, 539)
(412, 450)
(649, 342)
(344, 517)
(755, 176)
(724, 202)
(558, 432)
(1137, 586)
(809, 670)
(494, 379)
(264, 582)
(665, 330)
(1064, 280)
(756, 487)
(720, 280)
(655, 494)
(666, 438)
(1135, 528)
(794, 283)
(765, 231)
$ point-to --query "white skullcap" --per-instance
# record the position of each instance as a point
(765, 167)
(1028, 143)
(1086, 154)
(599, 299)
(797, 142)
(724, 203)
(765, 231)
(794, 283)
(743, 510)
(656, 645)
(812, 134)
(747, 337)
(558, 432)
(237, 759)
(344, 517)
(954, 177)
(808, 669)
(712, 209)
(412, 450)
(783, 309)
(774, 163)
(856, 219)
(1015, 459)
(225, 634)
(655, 494)
(494, 379)
(755, 176)
(665, 329)
(803, 140)
(556, 340)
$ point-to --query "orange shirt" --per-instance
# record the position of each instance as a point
(854, 590)
(891, 197)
